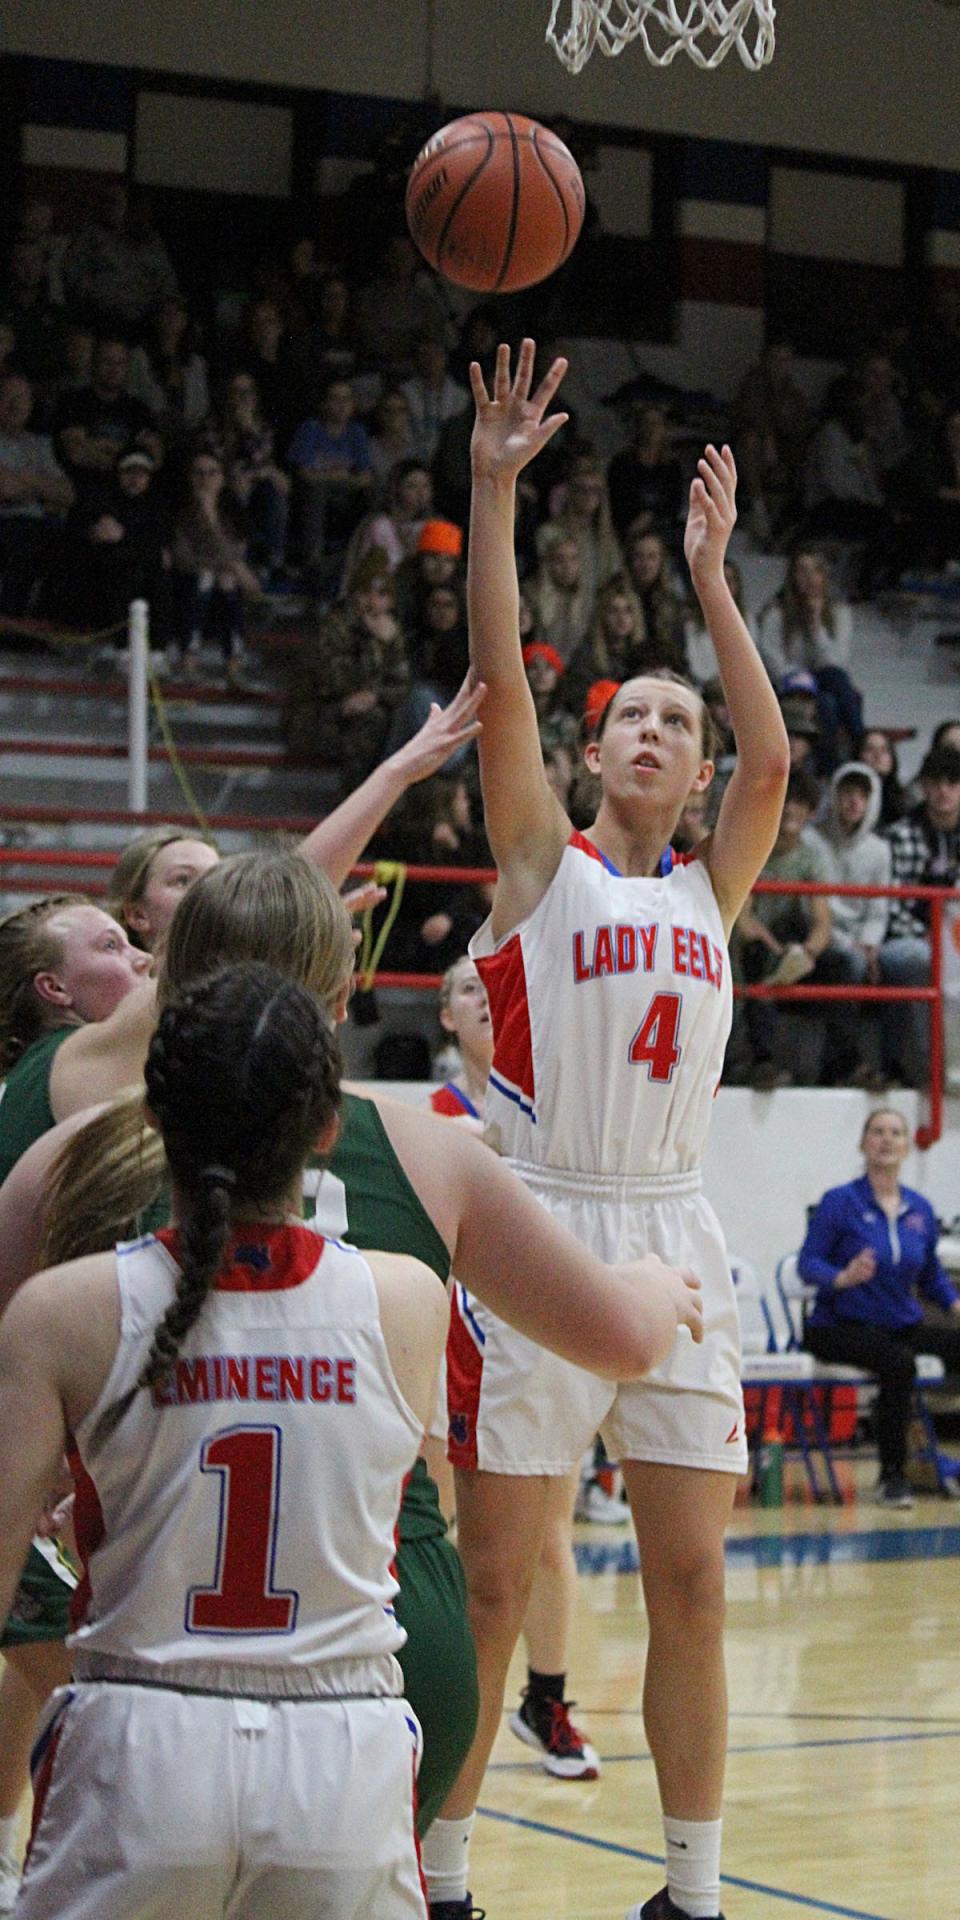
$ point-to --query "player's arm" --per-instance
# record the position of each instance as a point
(23, 1201)
(337, 843)
(414, 1313)
(526, 827)
(749, 817)
(33, 1432)
(103, 1057)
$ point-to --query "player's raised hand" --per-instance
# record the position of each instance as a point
(510, 427)
(712, 514)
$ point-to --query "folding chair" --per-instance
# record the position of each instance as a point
(793, 1293)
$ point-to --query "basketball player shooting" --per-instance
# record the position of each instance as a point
(606, 967)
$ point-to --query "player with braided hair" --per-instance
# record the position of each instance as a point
(245, 1400)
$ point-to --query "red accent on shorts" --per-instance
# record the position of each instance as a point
(464, 1374)
(41, 1787)
(260, 1259)
(88, 1529)
(505, 979)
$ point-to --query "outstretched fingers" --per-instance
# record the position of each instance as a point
(478, 386)
(501, 375)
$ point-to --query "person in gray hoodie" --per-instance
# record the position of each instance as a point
(857, 856)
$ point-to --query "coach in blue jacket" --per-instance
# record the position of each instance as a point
(871, 1246)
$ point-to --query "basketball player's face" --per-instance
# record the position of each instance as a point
(651, 748)
(468, 1012)
(98, 967)
(174, 868)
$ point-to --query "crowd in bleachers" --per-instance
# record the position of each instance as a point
(315, 454)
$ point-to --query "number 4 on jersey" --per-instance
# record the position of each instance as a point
(654, 1045)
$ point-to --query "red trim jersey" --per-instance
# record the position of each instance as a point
(611, 1007)
(244, 1512)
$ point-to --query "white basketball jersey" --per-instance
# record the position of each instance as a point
(244, 1513)
(611, 1007)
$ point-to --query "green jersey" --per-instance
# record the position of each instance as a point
(25, 1110)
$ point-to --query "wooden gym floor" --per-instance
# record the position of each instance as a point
(843, 1783)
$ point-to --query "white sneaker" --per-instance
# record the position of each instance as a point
(600, 1508)
(9, 1883)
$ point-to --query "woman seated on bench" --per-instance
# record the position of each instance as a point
(871, 1246)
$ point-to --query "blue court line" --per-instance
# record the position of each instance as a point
(794, 1549)
(656, 1860)
(772, 1746)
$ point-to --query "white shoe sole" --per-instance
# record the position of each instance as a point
(586, 1768)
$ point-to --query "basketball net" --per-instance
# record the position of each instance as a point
(703, 29)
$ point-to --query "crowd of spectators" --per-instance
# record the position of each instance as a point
(318, 449)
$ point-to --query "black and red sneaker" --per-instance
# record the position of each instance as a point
(547, 1726)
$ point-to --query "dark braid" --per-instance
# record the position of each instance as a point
(242, 1075)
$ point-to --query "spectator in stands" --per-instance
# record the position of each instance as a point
(37, 224)
(806, 626)
(333, 343)
(26, 306)
(437, 562)
(942, 511)
(884, 426)
(35, 493)
(617, 646)
(330, 457)
(946, 734)
(75, 368)
(701, 658)
(245, 443)
(649, 573)
(396, 530)
(123, 547)
(843, 493)
(212, 579)
(400, 306)
(798, 704)
(644, 480)
(433, 396)
(93, 424)
(787, 938)
(871, 1247)
(267, 350)
(584, 516)
(878, 751)
(860, 857)
(349, 675)
(391, 437)
(439, 654)
(556, 725)
(925, 851)
(439, 830)
(770, 426)
(168, 374)
(560, 598)
(116, 270)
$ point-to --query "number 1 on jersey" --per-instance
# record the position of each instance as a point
(243, 1598)
(655, 1045)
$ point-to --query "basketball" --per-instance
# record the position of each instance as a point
(495, 202)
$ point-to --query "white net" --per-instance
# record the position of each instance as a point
(703, 29)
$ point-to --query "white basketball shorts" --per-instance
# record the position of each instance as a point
(182, 1806)
(515, 1408)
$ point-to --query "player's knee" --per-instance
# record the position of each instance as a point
(686, 1593)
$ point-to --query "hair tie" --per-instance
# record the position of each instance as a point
(214, 1176)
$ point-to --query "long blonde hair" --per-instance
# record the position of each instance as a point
(269, 906)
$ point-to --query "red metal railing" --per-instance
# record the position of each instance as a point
(71, 859)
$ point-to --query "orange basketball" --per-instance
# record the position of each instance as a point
(495, 202)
